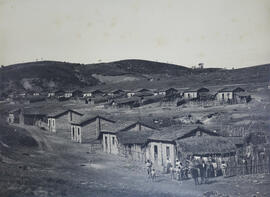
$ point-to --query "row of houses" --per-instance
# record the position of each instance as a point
(133, 139)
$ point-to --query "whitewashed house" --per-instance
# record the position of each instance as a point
(228, 94)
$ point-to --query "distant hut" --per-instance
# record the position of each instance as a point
(13, 116)
(228, 94)
(116, 92)
(126, 102)
(195, 93)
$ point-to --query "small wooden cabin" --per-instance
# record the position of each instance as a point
(13, 116)
(228, 94)
(194, 93)
(126, 102)
(161, 146)
(117, 139)
(88, 128)
(60, 120)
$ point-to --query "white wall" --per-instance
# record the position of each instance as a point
(110, 147)
(192, 95)
(227, 96)
(161, 157)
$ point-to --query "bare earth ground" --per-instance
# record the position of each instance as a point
(62, 168)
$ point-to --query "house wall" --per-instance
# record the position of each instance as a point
(62, 123)
(227, 96)
(132, 151)
(110, 143)
(192, 95)
(90, 131)
(68, 94)
(160, 160)
(87, 94)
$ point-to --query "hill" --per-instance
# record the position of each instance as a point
(44, 75)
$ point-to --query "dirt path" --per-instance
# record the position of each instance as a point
(63, 168)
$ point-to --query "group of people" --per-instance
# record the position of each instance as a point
(194, 168)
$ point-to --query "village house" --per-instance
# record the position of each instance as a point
(60, 120)
(194, 93)
(68, 93)
(99, 100)
(32, 116)
(126, 102)
(13, 116)
(228, 94)
(138, 92)
(92, 93)
(216, 147)
(59, 94)
(132, 139)
(77, 94)
(88, 128)
(116, 92)
(161, 146)
(109, 139)
(51, 93)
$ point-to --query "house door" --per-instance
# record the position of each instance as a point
(155, 152)
(73, 133)
(106, 144)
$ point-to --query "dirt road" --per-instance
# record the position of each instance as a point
(62, 168)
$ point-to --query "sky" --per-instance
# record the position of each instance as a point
(219, 33)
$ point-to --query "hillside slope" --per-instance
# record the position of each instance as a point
(46, 75)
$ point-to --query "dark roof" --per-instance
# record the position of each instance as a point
(197, 89)
(143, 94)
(127, 100)
(44, 110)
(118, 126)
(150, 126)
(171, 134)
(231, 89)
(134, 137)
(86, 119)
(206, 145)
(61, 112)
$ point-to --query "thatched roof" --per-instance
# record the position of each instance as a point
(133, 137)
(205, 145)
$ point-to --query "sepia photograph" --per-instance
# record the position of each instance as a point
(134, 98)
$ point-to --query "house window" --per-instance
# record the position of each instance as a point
(155, 152)
(79, 133)
(168, 152)
(53, 122)
(49, 122)
(113, 140)
(188, 95)
(223, 97)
